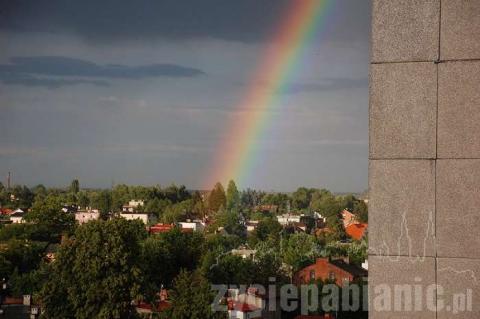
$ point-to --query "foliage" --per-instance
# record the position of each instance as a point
(97, 272)
(75, 186)
(299, 250)
(178, 212)
(268, 263)
(165, 254)
(192, 297)
(22, 255)
(217, 198)
(47, 215)
(233, 196)
(104, 265)
(230, 221)
(301, 198)
(232, 269)
(251, 198)
(103, 202)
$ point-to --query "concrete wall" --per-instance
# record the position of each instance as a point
(425, 154)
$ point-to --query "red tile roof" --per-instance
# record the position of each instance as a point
(6, 211)
(356, 231)
(165, 228)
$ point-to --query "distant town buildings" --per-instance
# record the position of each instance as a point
(195, 225)
(244, 252)
(133, 206)
(348, 218)
(17, 217)
(353, 228)
(251, 225)
(356, 231)
(286, 219)
(146, 218)
(84, 216)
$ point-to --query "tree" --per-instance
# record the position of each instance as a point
(268, 227)
(192, 298)
(40, 191)
(230, 221)
(103, 202)
(268, 263)
(75, 186)
(178, 212)
(301, 198)
(361, 209)
(251, 198)
(120, 195)
(217, 198)
(157, 206)
(47, 215)
(298, 250)
(83, 200)
(165, 254)
(232, 269)
(23, 255)
(24, 196)
(96, 273)
(233, 196)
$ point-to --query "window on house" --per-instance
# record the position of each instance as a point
(331, 275)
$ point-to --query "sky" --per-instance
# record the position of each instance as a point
(139, 92)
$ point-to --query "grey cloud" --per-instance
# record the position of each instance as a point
(51, 83)
(329, 84)
(39, 70)
(114, 20)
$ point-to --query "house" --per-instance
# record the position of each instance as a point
(266, 208)
(195, 225)
(286, 219)
(244, 252)
(165, 228)
(244, 305)
(299, 227)
(160, 228)
(348, 218)
(17, 217)
(356, 231)
(133, 206)
(336, 270)
(146, 218)
(69, 208)
(251, 225)
(84, 216)
(163, 304)
(319, 220)
(5, 211)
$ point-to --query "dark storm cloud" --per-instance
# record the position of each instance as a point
(114, 20)
(329, 84)
(26, 71)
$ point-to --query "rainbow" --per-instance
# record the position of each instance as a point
(280, 63)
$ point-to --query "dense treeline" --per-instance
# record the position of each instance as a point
(102, 266)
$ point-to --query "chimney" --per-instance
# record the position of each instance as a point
(8, 180)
